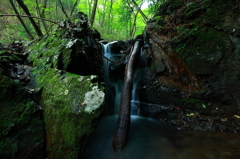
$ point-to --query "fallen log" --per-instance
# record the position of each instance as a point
(123, 122)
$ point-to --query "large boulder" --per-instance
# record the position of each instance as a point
(195, 64)
(65, 64)
(71, 106)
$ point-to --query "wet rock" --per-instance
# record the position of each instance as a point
(195, 59)
(20, 70)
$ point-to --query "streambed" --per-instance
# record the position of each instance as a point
(149, 139)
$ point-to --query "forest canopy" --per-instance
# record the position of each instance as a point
(114, 19)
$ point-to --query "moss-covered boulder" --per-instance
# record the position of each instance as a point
(21, 127)
(71, 105)
(65, 64)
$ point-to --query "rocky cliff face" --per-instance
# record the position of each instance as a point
(196, 57)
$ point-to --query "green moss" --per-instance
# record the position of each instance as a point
(21, 128)
(169, 7)
(50, 50)
(201, 42)
(71, 74)
(206, 3)
(62, 99)
(201, 106)
(6, 85)
(160, 20)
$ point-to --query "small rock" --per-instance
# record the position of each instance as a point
(20, 70)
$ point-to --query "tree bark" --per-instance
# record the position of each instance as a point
(123, 123)
(93, 12)
(21, 20)
(102, 20)
(63, 10)
(42, 15)
(133, 29)
(34, 24)
(74, 7)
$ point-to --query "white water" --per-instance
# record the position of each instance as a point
(113, 84)
(140, 66)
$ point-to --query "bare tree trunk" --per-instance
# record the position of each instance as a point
(123, 123)
(102, 20)
(63, 10)
(74, 6)
(41, 14)
(34, 24)
(89, 2)
(93, 12)
(133, 29)
(21, 21)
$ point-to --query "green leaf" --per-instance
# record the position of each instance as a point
(191, 114)
(203, 105)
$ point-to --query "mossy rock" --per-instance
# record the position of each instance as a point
(169, 7)
(198, 46)
(22, 131)
(69, 49)
(71, 105)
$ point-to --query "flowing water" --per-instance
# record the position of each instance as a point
(149, 139)
(113, 81)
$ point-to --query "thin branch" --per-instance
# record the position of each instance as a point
(140, 11)
(27, 16)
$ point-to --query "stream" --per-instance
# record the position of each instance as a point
(151, 139)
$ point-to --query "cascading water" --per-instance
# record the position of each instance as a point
(147, 138)
(112, 80)
(140, 69)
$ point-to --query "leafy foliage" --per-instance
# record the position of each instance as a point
(114, 19)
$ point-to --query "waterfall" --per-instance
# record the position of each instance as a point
(112, 80)
(148, 138)
(140, 69)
